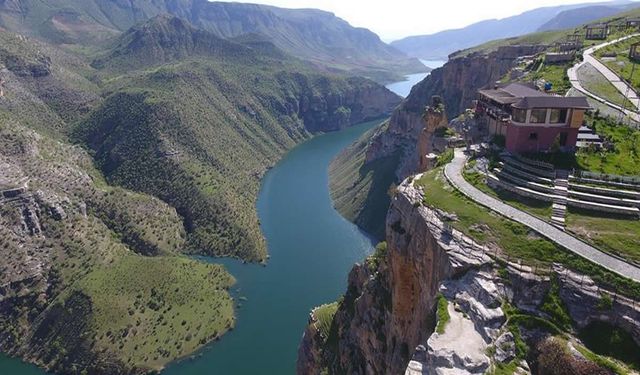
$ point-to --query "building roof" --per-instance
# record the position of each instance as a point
(549, 101)
(511, 93)
(526, 97)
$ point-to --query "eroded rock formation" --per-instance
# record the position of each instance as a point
(434, 118)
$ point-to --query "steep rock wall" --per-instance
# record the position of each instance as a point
(383, 326)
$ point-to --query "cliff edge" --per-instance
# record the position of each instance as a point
(434, 301)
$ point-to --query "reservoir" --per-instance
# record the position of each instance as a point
(403, 88)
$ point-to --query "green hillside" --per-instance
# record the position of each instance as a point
(199, 131)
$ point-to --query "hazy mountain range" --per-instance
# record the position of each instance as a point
(441, 44)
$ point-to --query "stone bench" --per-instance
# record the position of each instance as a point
(526, 175)
(524, 183)
(610, 184)
(605, 191)
(604, 199)
(530, 169)
(534, 163)
(495, 182)
(601, 207)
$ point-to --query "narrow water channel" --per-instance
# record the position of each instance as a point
(312, 249)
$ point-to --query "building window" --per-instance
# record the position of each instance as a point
(533, 136)
(558, 116)
(520, 115)
(538, 116)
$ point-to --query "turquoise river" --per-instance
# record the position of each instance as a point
(312, 249)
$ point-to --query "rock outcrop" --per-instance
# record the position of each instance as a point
(434, 118)
(385, 323)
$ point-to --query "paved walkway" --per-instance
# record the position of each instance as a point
(616, 81)
(453, 173)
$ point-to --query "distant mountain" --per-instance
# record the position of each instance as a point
(576, 17)
(313, 35)
(165, 39)
(440, 45)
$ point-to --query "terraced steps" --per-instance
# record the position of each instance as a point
(545, 189)
(549, 174)
(561, 192)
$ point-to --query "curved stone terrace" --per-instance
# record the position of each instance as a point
(453, 173)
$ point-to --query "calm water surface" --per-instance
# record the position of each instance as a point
(403, 88)
(312, 249)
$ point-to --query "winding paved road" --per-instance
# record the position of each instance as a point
(453, 173)
(615, 80)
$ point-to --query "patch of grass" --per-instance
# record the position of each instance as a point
(443, 314)
(555, 308)
(445, 158)
(605, 339)
(622, 65)
(555, 74)
(624, 159)
(613, 234)
(514, 239)
(592, 80)
(444, 131)
(324, 317)
(374, 260)
(504, 368)
(605, 303)
(601, 361)
(150, 311)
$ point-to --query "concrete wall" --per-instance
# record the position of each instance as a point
(518, 138)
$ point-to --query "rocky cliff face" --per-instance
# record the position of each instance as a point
(457, 83)
(384, 324)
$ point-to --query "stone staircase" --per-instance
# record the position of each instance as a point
(561, 192)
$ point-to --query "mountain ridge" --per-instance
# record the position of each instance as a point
(440, 45)
(313, 35)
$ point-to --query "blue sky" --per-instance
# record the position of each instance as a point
(394, 19)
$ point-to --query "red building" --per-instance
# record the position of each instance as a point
(531, 120)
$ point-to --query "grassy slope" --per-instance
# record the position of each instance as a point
(621, 65)
(153, 310)
(199, 132)
(512, 238)
(366, 201)
(595, 82)
(90, 265)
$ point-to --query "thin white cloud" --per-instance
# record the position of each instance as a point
(394, 19)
